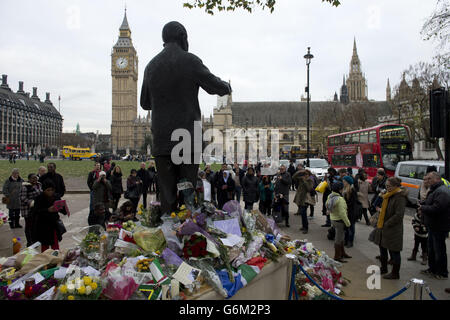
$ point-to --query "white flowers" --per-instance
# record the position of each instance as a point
(70, 288)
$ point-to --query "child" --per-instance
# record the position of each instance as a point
(420, 237)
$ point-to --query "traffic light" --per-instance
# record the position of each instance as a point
(438, 104)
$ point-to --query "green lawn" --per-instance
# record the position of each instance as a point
(66, 168)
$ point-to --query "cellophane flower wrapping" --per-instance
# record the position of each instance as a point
(118, 286)
(251, 251)
(249, 221)
(171, 258)
(233, 208)
(78, 285)
(210, 275)
(151, 217)
(170, 235)
(197, 246)
(189, 227)
(150, 239)
(188, 195)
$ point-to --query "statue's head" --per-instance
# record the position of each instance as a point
(174, 32)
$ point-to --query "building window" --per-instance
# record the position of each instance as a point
(428, 145)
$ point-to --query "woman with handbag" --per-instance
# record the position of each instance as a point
(336, 206)
(47, 226)
(388, 234)
(11, 197)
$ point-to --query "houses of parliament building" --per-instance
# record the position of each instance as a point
(128, 131)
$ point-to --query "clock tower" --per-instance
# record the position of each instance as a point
(356, 82)
(124, 72)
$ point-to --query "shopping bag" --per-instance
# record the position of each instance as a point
(322, 186)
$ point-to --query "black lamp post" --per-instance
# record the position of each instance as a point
(308, 58)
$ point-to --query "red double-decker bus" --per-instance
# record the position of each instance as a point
(11, 147)
(382, 146)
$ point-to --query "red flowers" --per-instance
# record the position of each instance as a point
(195, 247)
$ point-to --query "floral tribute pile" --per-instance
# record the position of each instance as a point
(173, 256)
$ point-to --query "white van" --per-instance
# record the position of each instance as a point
(413, 172)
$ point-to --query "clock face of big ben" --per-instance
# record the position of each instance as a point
(121, 62)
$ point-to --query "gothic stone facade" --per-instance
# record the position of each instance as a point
(128, 131)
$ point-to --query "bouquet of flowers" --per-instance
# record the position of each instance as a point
(29, 292)
(195, 247)
(129, 225)
(91, 243)
(80, 288)
(150, 217)
(143, 265)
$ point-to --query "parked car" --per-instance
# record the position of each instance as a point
(317, 166)
(412, 174)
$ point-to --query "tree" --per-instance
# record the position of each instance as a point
(412, 100)
(437, 26)
(231, 5)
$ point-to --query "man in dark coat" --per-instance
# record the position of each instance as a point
(92, 176)
(170, 89)
(282, 184)
(436, 214)
(292, 170)
(250, 189)
(56, 178)
(144, 174)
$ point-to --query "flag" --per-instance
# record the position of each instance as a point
(242, 276)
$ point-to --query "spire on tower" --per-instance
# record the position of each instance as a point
(125, 25)
(355, 52)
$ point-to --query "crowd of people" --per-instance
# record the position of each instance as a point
(345, 202)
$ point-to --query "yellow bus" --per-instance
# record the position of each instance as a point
(72, 153)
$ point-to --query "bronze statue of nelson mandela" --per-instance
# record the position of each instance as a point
(170, 89)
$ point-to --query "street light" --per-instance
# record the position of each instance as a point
(308, 58)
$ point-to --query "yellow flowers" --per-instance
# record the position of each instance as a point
(173, 215)
(139, 212)
(63, 289)
(82, 290)
(143, 265)
(141, 206)
(87, 280)
(244, 229)
(183, 207)
(158, 252)
(79, 287)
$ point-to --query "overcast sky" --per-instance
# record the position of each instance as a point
(64, 47)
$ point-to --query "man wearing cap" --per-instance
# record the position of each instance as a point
(170, 89)
(102, 193)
